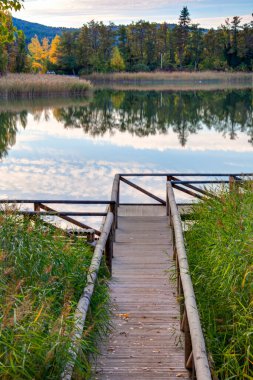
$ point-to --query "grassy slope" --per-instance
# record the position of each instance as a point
(220, 249)
(42, 277)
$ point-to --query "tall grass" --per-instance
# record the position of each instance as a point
(32, 86)
(220, 250)
(179, 76)
(42, 275)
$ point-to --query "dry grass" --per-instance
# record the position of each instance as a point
(31, 86)
(173, 77)
(173, 85)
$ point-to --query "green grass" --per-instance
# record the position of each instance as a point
(42, 276)
(220, 251)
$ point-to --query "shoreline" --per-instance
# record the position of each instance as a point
(34, 86)
(206, 80)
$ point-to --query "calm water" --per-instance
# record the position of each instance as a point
(63, 149)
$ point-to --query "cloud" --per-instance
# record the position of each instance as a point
(214, 22)
(75, 13)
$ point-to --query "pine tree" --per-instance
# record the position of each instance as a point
(182, 33)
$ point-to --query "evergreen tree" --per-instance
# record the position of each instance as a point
(182, 33)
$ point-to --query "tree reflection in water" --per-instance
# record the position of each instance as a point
(145, 113)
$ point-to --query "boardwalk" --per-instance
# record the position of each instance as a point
(146, 342)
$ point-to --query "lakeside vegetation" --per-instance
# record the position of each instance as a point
(138, 47)
(220, 253)
(42, 276)
(31, 85)
(207, 79)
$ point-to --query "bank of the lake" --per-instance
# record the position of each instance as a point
(219, 246)
(209, 80)
(29, 86)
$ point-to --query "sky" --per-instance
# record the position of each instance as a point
(74, 13)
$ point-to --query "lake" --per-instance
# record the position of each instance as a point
(71, 149)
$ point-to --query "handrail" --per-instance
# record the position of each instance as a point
(196, 355)
(55, 201)
(84, 302)
(186, 174)
(143, 190)
(39, 205)
(77, 223)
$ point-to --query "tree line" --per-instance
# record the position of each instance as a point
(140, 46)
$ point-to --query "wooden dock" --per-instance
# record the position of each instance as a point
(153, 337)
(146, 341)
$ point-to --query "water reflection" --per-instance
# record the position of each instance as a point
(8, 129)
(141, 114)
(150, 113)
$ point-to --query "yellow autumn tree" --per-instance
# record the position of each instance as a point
(53, 52)
(117, 61)
(39, 53)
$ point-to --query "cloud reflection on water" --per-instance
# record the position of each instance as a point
(74, 152)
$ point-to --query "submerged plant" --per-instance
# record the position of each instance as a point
(42, 276)
(220, 251)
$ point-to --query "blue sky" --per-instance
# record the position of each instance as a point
(75, 13)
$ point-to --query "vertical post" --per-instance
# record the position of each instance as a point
(231, 183)
(90, 236)
(174, 244)
(167, 199)
(37, 207)
(117, 203)
(113, 209)
(188, 343)
(109, 252)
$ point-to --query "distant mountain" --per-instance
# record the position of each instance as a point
(31, 28)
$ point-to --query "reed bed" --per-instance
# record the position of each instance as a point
(220, 252)
(30, 86)
(171, 77)
(42, 276)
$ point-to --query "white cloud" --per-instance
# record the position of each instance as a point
(214, 22)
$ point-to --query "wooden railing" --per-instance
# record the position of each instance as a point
(196, 359)
(84, 302)
(195, 352)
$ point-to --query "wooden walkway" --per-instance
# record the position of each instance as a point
(146, 341)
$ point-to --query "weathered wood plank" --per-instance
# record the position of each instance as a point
(146, 342)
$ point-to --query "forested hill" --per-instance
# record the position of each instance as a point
(31, 28)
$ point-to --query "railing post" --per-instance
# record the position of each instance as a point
(188, 343)
(167, 201)
(109, 252)
(113, 209)
(231, 183)
(37, 207)
(115, 197)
